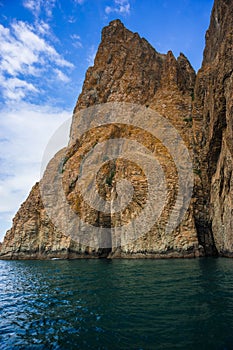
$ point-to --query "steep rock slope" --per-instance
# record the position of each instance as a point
(213, 130)
(128, 69)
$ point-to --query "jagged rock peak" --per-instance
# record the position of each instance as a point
(115, 29)
(116, 33)
(127, 68)
(115, 23)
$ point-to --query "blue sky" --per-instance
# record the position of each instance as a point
(46, 47)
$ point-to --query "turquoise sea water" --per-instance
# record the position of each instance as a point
(119, 304)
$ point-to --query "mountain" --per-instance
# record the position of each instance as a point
(213, 132)
(148, 168)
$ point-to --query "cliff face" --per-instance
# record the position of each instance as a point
(128, 70)
(213, 130)
(32, 233)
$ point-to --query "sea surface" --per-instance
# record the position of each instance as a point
(116, 304)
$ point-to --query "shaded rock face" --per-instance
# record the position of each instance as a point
(128, 69)
(213, 132)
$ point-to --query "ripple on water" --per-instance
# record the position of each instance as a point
(123, 304)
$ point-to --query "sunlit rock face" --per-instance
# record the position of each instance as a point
(181, 121)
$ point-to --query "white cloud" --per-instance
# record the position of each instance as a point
(76, 41)
(72, 19)
(120, 7)
(24, 55)
(61, 76)
(42, 28)
(49, 5)
(38, 6)
(33, 6)
(59, 60)
(16, 89)
(80, 2)
(28, 129)
(108, 9)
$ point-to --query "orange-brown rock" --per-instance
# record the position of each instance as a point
(128, 69)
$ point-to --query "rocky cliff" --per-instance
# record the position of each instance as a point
(213, 132)
(154, 94)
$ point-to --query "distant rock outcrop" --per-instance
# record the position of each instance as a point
(127, 69)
